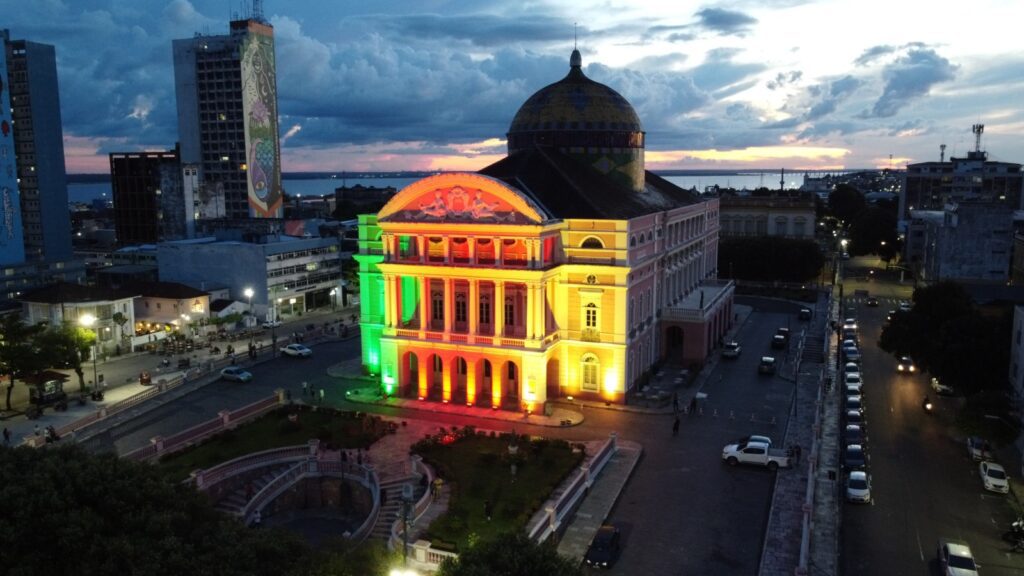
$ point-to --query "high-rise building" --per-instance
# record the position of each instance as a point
(39, 149)
(12, 242)
(226, 89)
(149, 201)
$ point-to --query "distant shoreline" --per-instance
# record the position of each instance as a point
(98, 178)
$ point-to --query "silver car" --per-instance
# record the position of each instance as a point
(235, 374)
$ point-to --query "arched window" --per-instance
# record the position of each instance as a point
(592, 242)
(485, 310)
(510, 310)
(511, 371)
(632, 241)
(590, 315)
(437, 306)
(460, 307)
(589, 369)
(650, 236)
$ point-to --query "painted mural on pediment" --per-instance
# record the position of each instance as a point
(458, 204)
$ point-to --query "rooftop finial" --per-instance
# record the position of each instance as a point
(575, 61)
(575, 36)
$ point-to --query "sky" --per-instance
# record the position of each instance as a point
(433, 84)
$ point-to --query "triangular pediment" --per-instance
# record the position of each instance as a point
(460, 197)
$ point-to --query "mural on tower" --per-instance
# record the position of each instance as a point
(259, 105)
(12, 247)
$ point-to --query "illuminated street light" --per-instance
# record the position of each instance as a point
(250, 321)
(89, 321)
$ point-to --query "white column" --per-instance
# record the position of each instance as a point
(388, 312)
(474, 305)
(449, 305)
(425, 303)
(499, 307)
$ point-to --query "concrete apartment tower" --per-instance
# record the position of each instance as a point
(38, 141)
(150, 204)
(226, 88)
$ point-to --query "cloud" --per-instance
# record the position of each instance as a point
(909, 78)
(783, 78)
(719, 69)
(831, 95)
(873, 53)
(725, 22)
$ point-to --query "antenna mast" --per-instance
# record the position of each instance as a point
(977, 129)
(942, 153)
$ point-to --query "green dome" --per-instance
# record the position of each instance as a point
(578, 112)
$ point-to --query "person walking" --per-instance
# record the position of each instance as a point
(675, 426)
(322, 395)
(693, 405)
(305, 388)
(7, 436)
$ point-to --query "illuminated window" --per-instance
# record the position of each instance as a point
(485, 310)
(460, 308)
(592, 242)
(591, 316)
(588, 373)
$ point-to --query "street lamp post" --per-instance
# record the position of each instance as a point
(250, 320)
(334, 299)
(89, 321)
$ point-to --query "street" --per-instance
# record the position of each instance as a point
(925, 487)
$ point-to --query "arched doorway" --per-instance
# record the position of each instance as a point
(408, 375)
(459, 379)
(484, 383)
(554, 390)
(435, 378)
(510, 386)
(674, 344)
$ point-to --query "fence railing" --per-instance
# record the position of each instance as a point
(211, 476)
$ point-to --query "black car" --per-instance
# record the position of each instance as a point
(854, 457)
(804, 314)
(872, 301)
(604, 550)
(778, 342)
(855, 434)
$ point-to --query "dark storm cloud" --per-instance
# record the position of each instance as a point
(725, 22)
(477, 29)
(910, 77)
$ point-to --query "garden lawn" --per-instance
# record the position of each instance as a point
(478, 470)
(274, 430)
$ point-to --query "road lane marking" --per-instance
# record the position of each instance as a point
(920, 549)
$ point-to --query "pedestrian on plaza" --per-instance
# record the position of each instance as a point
(693, 404)
(321, 395)
(7, 436)
(675, 426)
(305, 387)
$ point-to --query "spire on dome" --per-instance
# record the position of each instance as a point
(575, 61)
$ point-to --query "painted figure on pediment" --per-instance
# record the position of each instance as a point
(437, 208)
(458, 202)
(481, 208)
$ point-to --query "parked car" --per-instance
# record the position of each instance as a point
(778, 342)
(767, 365)
(854, 417)
(851, 367)
(731, 350)
(753, 438)
(872, 301)
(235, 374)
(854, 379)
(271, 324)
(956, 559)
(979, 449)
(852, 354)
(993, 477)
(604, 549)
(858, 487)
(850, 324)
(296, 350)
(854, 390)
(942, 389)
(804, 314)
(854, 457)
(850, 334)
(854, 403)
(906, 365)
(855, 434)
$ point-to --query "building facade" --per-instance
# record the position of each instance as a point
(972, 242)
(287, 275)
(931, 185)
(782, 216)
(149, 198)
(61, 303)
(226, 90)
(565, 269)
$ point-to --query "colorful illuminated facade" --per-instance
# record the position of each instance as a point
(564, 269)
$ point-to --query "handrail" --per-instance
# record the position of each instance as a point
(247, 462)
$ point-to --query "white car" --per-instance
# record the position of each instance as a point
(854, 379)
(993, 476)
(235, 374)
(731, 350)
(851, 367)
(850, 324)
(271, 324)
(296, 350)
(858, 487)
(955, 559)
(905, 306)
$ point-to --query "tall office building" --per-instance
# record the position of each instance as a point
(149, 197)
(39, 149)
(12, 242)
(226, 89)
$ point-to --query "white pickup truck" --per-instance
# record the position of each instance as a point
(757, 453)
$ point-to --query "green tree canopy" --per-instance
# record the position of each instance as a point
(66, 346)
(846, 202)
(510, 555)
(67, 511)
(19, 355)
(769, 259)
(948, 336)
